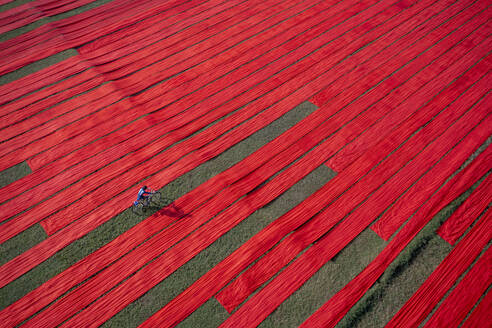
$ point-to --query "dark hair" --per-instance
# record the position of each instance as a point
(144, 187)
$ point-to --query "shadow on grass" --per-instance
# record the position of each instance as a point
(165, 206)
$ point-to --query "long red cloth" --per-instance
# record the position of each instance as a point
(40, 79)
(131, 239)
(334, 310)
(45, 249)
(455, 226)
(481, 315)
(159, 161)
(444, 276)
(252, 317)
(159, 96)
(284, 284)
(70, 32)
(20, 186)
(66, 112)
(227, 43)
(157, 23)
(461, 300)
(127, 60)
(215, 279)
(48, 95)
(231, 296)
(187, 227)
(56, 167)
(392, 219)
(146, 272)
(67, 210)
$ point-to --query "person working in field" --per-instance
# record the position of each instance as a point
(142, 194)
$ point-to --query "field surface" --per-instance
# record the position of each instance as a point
(320, 163)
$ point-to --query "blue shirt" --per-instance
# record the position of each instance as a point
(141, 193)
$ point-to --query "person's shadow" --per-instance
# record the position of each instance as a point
(167, 207)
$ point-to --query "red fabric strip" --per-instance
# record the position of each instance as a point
(21, 21)
(40, 79)
(227, 296)
(322, 97)
(159, 37)
(72, 87)
(11, 15)
(461, 300)
(131, 239)
(333, 310)
(160, 160)
(56, 167)
(131, 60)
(347, 230)
(481, 314)
(76, 30)
(249, 316)
(74, 109)
(14, 111)
(225, 47)
(391, 220)
(461, 257)
(60, 8)
(107, 43)
(162, 96)
(456, 225)
(255, 276)
(54, 244)
(215, 279)
(121, 201)
(181, 230)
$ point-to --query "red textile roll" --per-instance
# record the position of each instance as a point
(456, 225)
(333, 310)
(461, 300)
